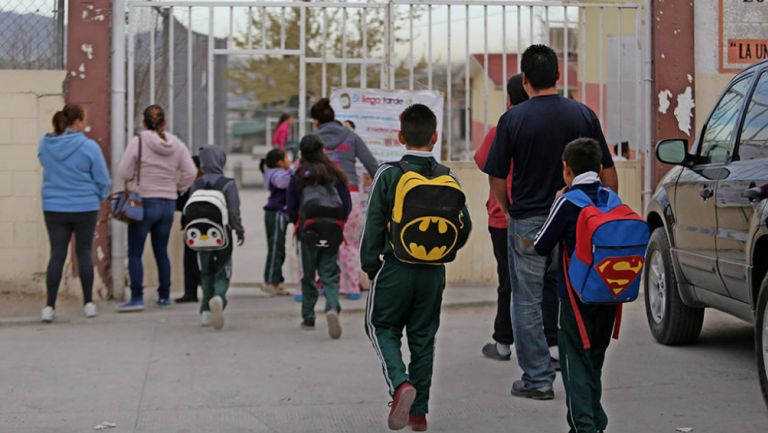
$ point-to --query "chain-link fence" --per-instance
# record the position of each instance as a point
(32, 34)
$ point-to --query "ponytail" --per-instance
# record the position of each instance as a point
(66, 117)
(154, 119)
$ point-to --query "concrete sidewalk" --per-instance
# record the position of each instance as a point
(160, 372)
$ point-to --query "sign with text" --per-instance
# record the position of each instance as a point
(743, 28)
(376, 114)
(747, 50)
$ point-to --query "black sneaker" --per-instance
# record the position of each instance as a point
(308, 324)
(519, 390)
(185, 300)
(491, 351)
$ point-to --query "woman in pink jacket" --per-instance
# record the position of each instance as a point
(166, 169)
(282, 131)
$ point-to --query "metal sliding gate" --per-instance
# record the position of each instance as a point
(180, 51)
(192, 55)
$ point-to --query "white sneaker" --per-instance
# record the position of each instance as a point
(205, 318)
(554, 353)
(334, 325)
(90, 310)
(48, 314)
(216, 304)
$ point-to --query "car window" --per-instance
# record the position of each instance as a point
(754, 134)
(717, 142)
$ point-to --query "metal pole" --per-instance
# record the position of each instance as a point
(504, 61)
(619, 79)
(429, 48)
(583, 53)
(646, 107)
(467, 90)
(117, 138)
(302, 73)
(152, 59)
(566, 26)
(209, 76)
(190, 137)
(485, 76)
(600, 65)
(448, 85)
(410, 50)
(171, 49)
(60, 40)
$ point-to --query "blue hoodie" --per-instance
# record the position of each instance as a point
(75, 176)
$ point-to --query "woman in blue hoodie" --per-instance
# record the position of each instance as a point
(75, 182)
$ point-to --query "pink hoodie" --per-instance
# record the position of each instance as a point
(161, 160)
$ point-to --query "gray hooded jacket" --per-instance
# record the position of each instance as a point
(344, 147)
(212, 161)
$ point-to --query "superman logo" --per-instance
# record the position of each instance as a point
(619, 272)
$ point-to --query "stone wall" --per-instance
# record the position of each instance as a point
(28, 100)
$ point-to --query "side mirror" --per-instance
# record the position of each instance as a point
(674, 151)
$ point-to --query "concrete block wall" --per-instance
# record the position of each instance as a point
(28, 100)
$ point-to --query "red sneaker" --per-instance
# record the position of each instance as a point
(401, 406)
(418, 422)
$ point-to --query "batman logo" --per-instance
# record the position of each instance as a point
(429, 238)
(619, 272)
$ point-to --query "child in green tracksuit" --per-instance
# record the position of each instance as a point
(216, 266)
(581, 368)
(404, 295)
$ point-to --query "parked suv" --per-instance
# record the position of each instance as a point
(709, 222)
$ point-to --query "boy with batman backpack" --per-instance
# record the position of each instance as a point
(211, 214)
(416, 222)
(604, 245)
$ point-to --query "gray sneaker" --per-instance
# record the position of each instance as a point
(491, 351)
(520, 390)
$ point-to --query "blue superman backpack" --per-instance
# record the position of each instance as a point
(607, 262)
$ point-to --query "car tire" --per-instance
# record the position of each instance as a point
(761, 338)
(671, 321)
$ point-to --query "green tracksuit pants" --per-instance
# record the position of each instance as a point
(276, 224)
(406, 296)
(215, 272)
(582, 369)
(325, 264)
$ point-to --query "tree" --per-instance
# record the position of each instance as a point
(275, 79)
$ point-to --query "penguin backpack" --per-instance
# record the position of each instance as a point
(207, 218)
(426, 225)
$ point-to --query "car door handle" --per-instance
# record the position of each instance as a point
(706, 192)
(753, 194)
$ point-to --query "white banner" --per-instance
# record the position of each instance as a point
(376, 115)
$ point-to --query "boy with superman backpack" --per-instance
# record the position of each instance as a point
(604, 244)
(416, 222)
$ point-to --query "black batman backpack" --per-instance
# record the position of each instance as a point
(207, 218)
(426, 225)
(321, 217)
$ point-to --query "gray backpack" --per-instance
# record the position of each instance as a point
(321, 217)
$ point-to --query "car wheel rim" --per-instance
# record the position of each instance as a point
(657, 287)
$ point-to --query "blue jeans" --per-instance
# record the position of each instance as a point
(528, 271)
(158, 220)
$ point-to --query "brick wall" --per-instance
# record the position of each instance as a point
(28, 100)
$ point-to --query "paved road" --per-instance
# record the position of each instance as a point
(159, 372)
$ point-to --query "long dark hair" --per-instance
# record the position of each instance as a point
(154, 119)
(315, 168)
(283, 118)
(66, 117)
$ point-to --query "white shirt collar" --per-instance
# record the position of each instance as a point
(421, 153)
(586, 178)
